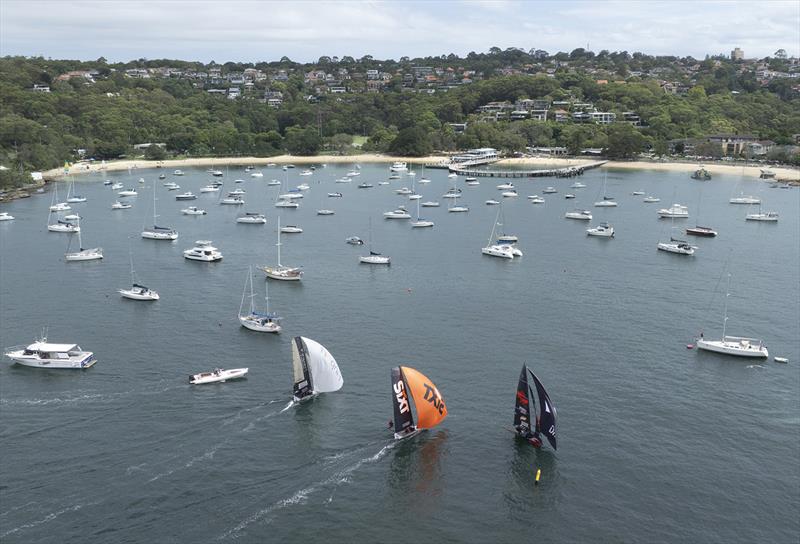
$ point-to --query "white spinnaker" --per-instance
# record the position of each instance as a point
(325, 374)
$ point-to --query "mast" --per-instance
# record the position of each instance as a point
(252, 295)
(244, 291)
(725, 318)
(279, 242)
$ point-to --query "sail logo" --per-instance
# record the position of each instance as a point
(400, 395)
(432, 396)
(522, 398)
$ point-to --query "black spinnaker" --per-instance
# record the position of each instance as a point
(546, 420)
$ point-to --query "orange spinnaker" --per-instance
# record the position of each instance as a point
(431, 409)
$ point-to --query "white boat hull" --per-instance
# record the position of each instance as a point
(155, 235)
(670, 247)
(421, 224)
(85, 255)
(259, 325)
(283, 274)
(740, 348)
(375, 259)
(138, 294)
(84, 362)
(501, 251)
(218, 376)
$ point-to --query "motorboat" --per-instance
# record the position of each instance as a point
(365, 185)
(177, 173)
(578, 185)
(398, 167)
(281, 203)
(117, 185)
(138, 292)
(765, 216)
(293, 194)
(397, 214)
(743, 199)
(492, 202)
(171, 186)
(127, 192)
(569, 196)
(233, 200)
(216, 173)
(203, 251)
(676, 211)
(352, 174)
(306, 173)
(335, 195)
(509, 194)
(186, 196)
(607, 202)
(5, 216)
(256, 174)
(343, 180)
(452, 194)
(681, 247)
(394, 176)
(651, 199)
(414, 196)
(549, 190)
(291, 229)
(141, 180)
(403, 191)
(507, 239)
(60, 207)
(581, 215)
(637, 193)
(236, 192)
(209, 189)
(253, 218)
(505, 186)
(193, 210)
(217, 375)
(701, 231)
(273, 182)
(325, 212)
(430, 204)
(603, 230)
(43, 354)
(458, 209)
(72, 217)
(162, 176)
(469, 179)
(354, 241)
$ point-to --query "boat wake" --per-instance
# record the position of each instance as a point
(300, 496)
(85, 398)
(291, 403)
(48, 518)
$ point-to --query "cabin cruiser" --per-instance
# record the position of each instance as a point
(128, 192)
(506, 186)
(193, 210)
(398, 167)
(674, 245)
(186, 196)
(677, 211)
(766, 216)
(291, 229)
(603, 230)
(354, 241)
(43, 354)
(217, 375)
(325, 212)
(203, 251)
(139, 292)
(581, 215)
(253, 218)
(234, 200)
(397, 214)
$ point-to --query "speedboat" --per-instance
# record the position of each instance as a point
(203, 251)
(569, 195)
(549, 190)
(735, 345)
(291, 229)
(651, 199)
(186, 196)
(681, 247)
(581, 215)
(676, 211)
(5, 216)
(193, 210)
(138, 292)
(354, 241)
(217, 375)
(430, 204)
(325, 212)
(128, 192)
(397, 214)
(766, 216)
(43, 354)
(335, 195)
(492, 202)
(603, 230)
(253, 218)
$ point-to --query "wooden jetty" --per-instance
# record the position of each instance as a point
(566, 172)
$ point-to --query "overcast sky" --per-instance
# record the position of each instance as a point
(251, 31)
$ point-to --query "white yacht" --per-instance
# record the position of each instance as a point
(188, 195)
(607, 202)
(46, 355)
(63, 226)
(177, 173)
(193, 210)
(419, 222)
(281, 203)
(676, 211)
(237, 191)
(156, 232)
(650, 199)
(60, 207)
(171, 186)
(210, 189)
(128, 192)
(549, 190)
(603, 230)
(291, 229)
(578, 185)
(403, 191)
(581, 215)
(138, 292)
(504, 251)
(398, 167)
(509, 194)
(397, 214)
(203, 251)
(569, 196)
(217, 375)
(743, 199)
(762, 216)
(257, 321)
(335, 195)
(492, 202)
(116, 186)
(253, 218)
(325, 212)
(354, 241)
(82, 254)
(256, 174)
(5, 216)
(233, 200)
(505, 186)
(280, 271)
(681, 247)
(458, 209)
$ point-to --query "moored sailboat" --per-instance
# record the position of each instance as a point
(525, 405)
(255, 321)
(410, 384)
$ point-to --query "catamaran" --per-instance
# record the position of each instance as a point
(315, 369)
(255, 321)
(410, 384)
(525, 405)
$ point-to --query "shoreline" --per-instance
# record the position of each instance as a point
(781, 173)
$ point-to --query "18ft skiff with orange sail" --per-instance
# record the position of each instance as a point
(412, 386)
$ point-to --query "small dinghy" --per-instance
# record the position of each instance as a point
(218, 375)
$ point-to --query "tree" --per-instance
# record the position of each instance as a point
(411, 142)
(302, 141)
(624, 141)
(155, 153)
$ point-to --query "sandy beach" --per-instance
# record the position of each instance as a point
(781, 173)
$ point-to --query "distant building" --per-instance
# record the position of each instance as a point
(41, 88)
(737, 54)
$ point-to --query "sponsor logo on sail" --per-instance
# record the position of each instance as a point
(400, 395)
(432, 396)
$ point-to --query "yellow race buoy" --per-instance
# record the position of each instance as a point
(538, 475)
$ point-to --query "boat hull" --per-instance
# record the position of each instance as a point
(218, 376)
(737, 349)
(85, 362)
(137, 295)
(85, 255)
(375, 259)
(258, 326)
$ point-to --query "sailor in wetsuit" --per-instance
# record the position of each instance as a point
(532, 437)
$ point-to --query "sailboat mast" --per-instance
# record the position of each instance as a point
(725, 314)
(244, 292)
(279, 241)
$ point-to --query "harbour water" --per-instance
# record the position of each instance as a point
(657, 443)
